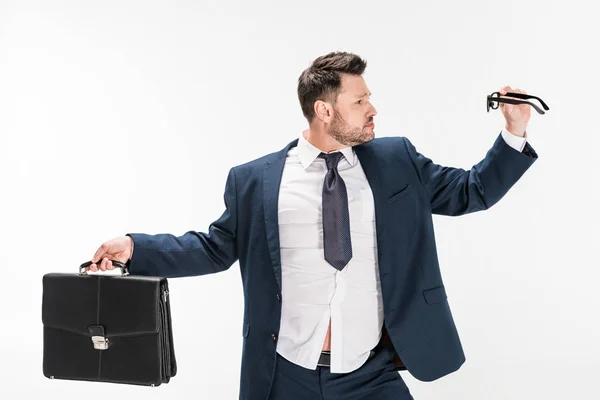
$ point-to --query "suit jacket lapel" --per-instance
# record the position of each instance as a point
(394, 222)
(271, 181)
(369, 163)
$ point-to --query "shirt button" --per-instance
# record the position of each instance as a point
(273, 336)
(278, 297)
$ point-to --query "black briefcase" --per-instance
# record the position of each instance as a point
(107, 327)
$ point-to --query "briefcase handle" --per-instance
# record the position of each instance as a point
(118, 264)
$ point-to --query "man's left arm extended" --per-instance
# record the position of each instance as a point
(456, 191)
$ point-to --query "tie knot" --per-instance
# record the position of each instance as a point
(332, 159)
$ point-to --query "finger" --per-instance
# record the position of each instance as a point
(103, 264)
(100, 253)
(94, 267)
(505, 90)
(110, 265)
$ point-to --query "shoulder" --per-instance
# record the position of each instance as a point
(256, 166)
(388, 141)
(389, 144)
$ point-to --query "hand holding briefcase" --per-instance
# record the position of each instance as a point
(111, 328)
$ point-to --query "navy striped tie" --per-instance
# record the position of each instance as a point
(336, 220)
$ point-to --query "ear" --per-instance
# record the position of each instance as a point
(322, 110)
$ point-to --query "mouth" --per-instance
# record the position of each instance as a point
(370, 125)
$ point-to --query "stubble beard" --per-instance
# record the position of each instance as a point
(347, 134)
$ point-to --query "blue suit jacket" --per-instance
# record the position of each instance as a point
(407, 189)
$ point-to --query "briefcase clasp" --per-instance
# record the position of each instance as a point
(98, 336)
(100, 342)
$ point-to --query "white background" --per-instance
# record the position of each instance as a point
(125, 116)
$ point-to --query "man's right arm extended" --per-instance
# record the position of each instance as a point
(193, 253)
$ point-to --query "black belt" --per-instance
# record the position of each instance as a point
(325, 358)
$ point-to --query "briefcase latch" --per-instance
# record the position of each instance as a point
(99, 338)
(100, 342)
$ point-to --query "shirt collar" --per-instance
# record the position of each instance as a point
(308, 153)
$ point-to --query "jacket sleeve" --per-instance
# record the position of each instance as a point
(455, 191)
(193, 253)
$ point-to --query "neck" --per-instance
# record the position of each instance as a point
(322, 140)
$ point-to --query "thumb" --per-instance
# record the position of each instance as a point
(100, 253)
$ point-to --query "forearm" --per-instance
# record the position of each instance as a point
(193, 253)
(455, 191)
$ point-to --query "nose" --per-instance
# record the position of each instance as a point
(373, 111)
(371, 114)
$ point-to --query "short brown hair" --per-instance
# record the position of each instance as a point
(322, 81)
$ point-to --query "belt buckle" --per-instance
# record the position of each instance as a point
(327, 358)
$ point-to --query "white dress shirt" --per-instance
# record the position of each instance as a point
(313, 291)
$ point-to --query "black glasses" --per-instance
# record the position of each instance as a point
(495, 99)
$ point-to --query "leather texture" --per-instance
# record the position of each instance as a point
(128, 315)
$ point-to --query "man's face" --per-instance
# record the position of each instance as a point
(352, 122)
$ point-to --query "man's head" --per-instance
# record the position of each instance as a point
(335, 98)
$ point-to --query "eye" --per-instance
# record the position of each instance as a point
(359, 102)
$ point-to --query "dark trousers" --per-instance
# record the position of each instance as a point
(376, 379)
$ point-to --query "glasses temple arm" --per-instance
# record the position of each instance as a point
(528, 96)
(513, 101)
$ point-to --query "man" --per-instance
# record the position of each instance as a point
(335, 241)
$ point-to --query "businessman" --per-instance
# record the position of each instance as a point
(336, 246)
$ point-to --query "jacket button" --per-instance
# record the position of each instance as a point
(273, 336)
(278, 297)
